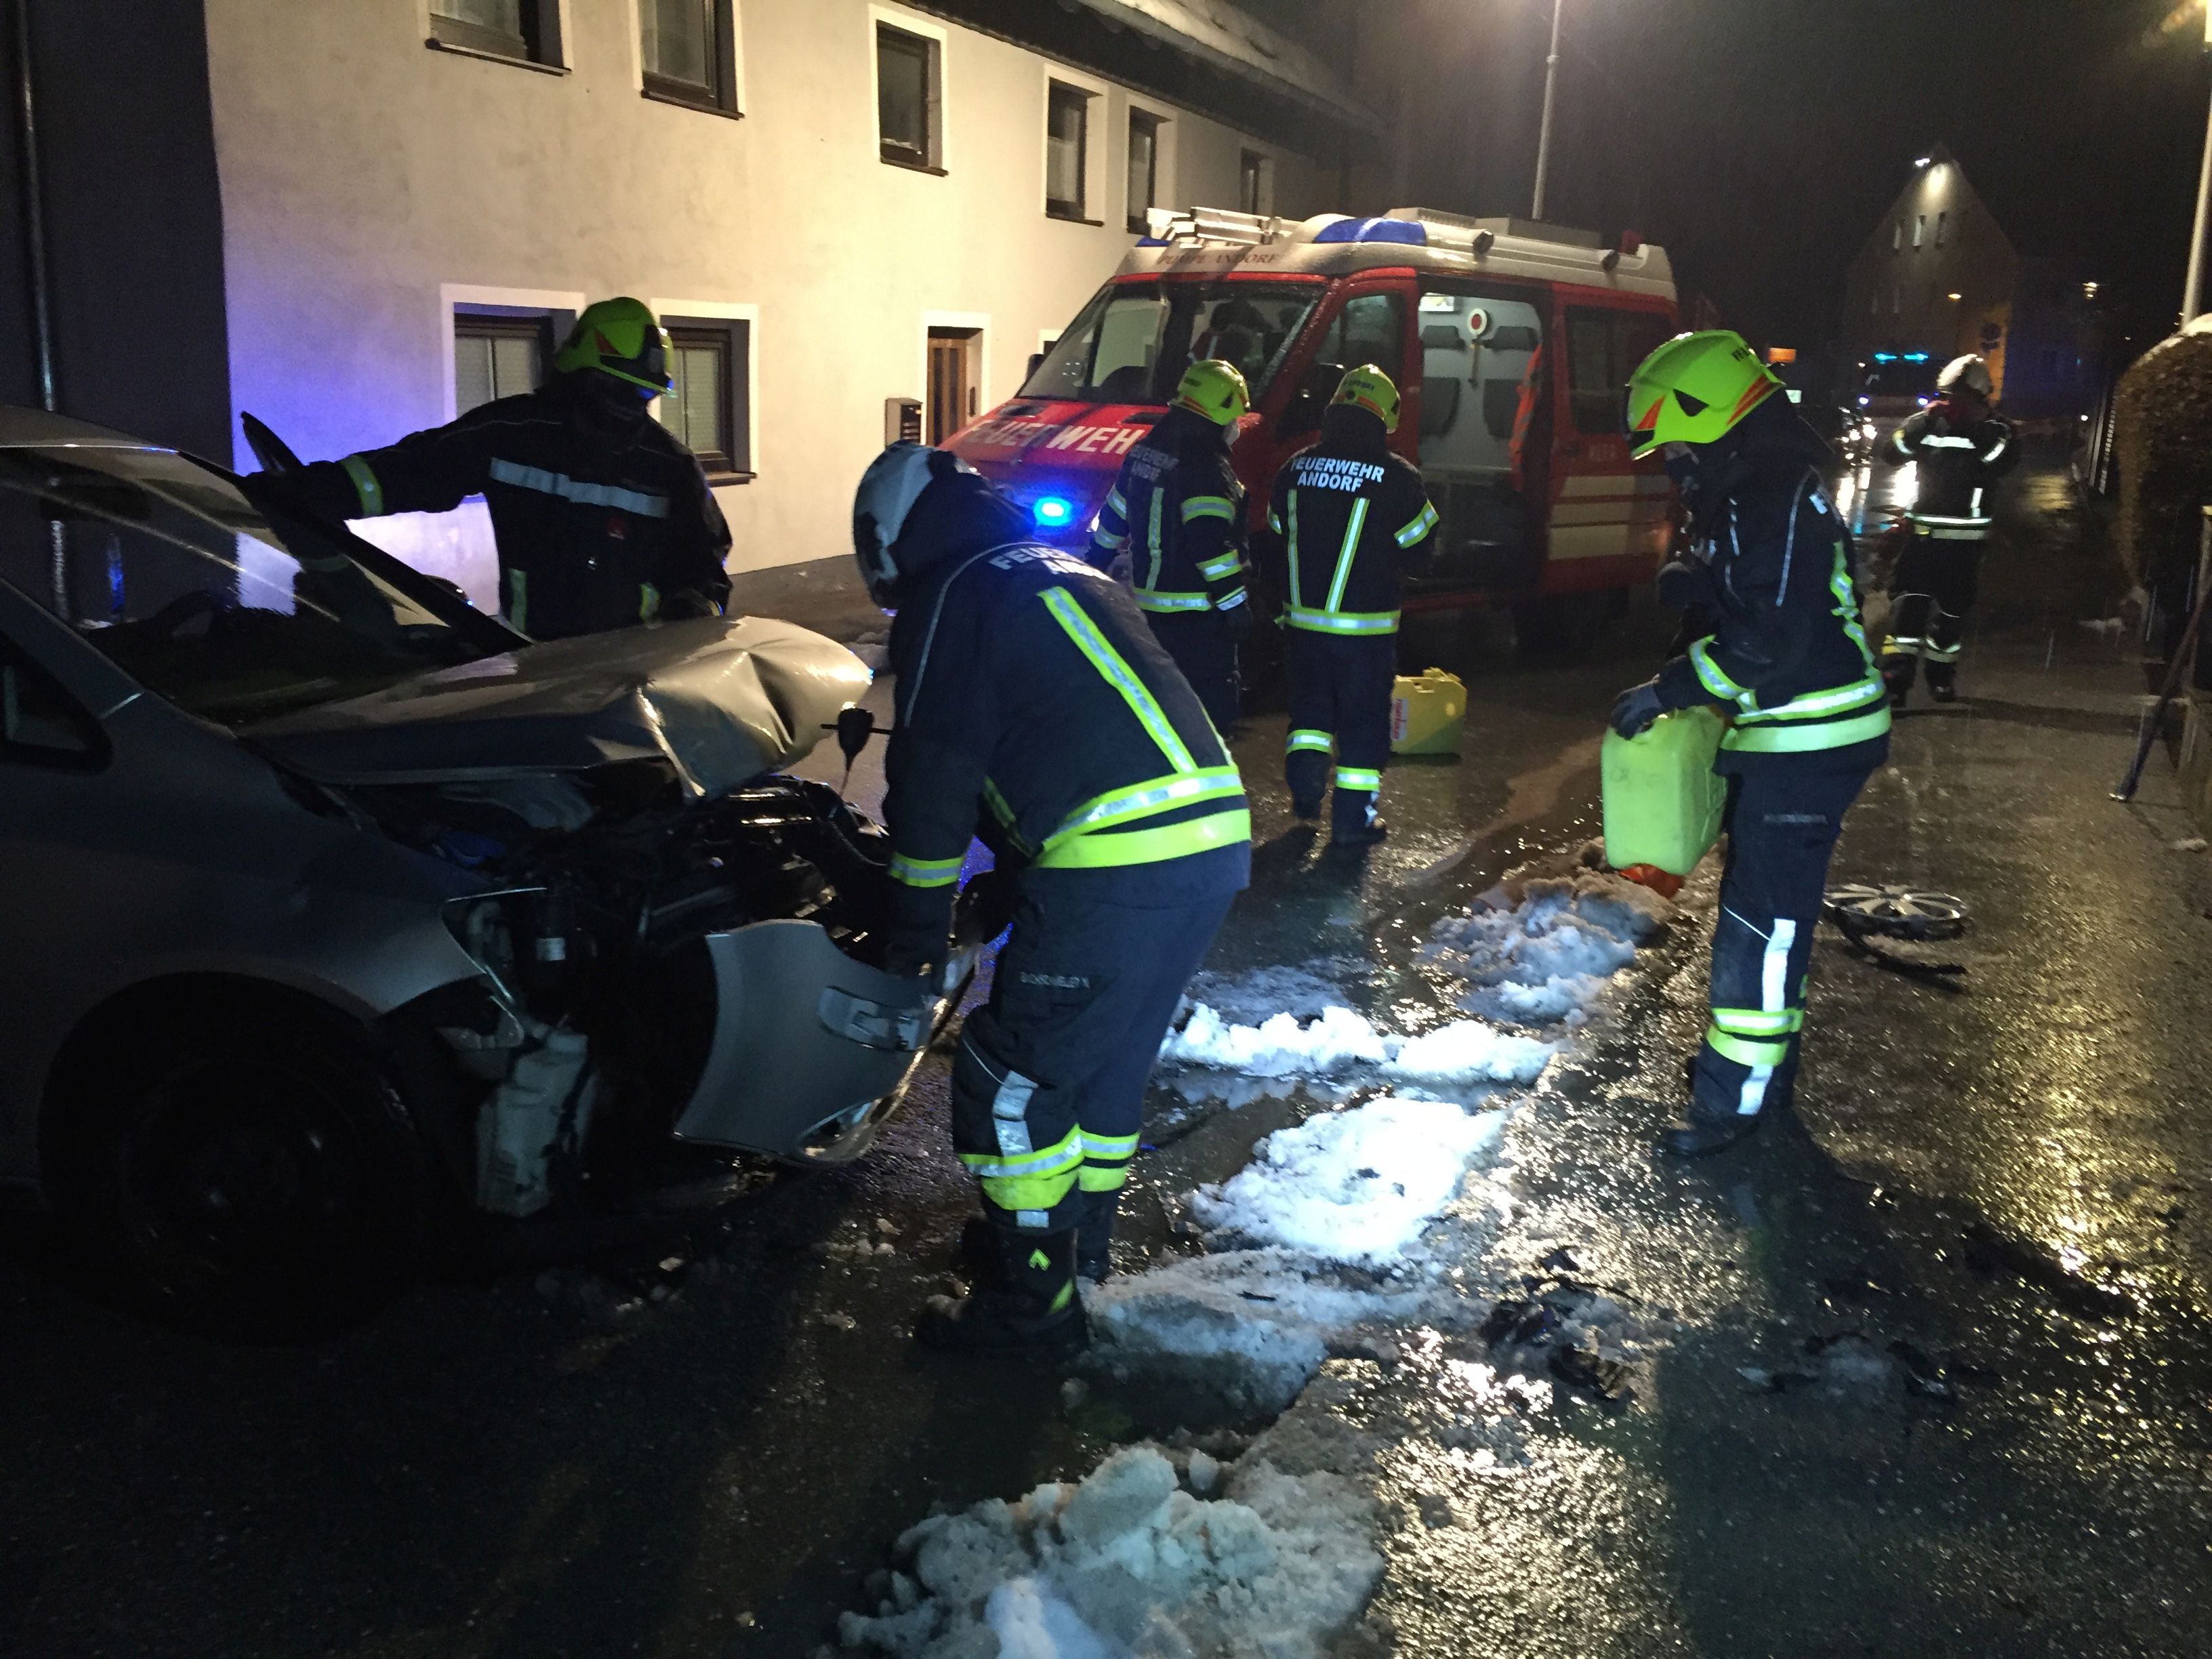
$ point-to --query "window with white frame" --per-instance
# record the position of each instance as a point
(1066, 149)
(707, 407)
(909, 97)
(528, 30)
(1143, 167)
(499, 353)
(689, 52)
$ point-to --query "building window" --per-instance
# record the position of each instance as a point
(708, 408)
(499, 355)
(1255, 183)
(528, 30)
(1143, 168)
(1919, 229)
(690, 52)
(909, 116)
(1066, 147)
(1943, 228)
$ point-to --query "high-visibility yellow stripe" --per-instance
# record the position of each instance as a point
(1424, 521)
(1306, 739)
(1710, 675)
(1346, 554)
(1746, 1051)
(1227, 565)
(1113, 850)
(1038, 1181)
(924, 872)
(1759, 1022)
(518, 599)
(366, 485)
(1144, 800)
(1108, 661)
(1807, 738)
(648, 602)
(1149, 599)
(1342, 622)
(1102, 1177)
(1359, 777)
(1812, 705)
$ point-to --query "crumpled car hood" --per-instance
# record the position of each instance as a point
(723, 701)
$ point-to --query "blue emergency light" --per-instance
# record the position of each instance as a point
(1053, 511)
(1885, 356)
(1916, 356)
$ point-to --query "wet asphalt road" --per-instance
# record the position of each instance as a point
(2008, 1176)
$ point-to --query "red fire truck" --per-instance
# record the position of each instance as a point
(1510, 342)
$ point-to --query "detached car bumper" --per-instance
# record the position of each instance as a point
(812, 1050)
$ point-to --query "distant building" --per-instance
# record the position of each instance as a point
(1939, 277)
(358, 219)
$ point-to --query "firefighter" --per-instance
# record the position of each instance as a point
(1351, 516)
(1178, 511)
(602, 517)
(1789, 660)
(1034, 701)
(1961, 449)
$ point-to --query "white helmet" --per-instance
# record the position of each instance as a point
(894, 482)
(1970, 372)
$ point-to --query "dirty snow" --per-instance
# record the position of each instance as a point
(1132, 1561)
(1538, 953)
(1463, 1051)
(1357, 1185)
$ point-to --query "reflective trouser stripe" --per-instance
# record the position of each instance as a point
(1936, 652)
(1152, 600)
(517, 600)
(1356, 777)
(1318, 741)
(366, 485)
(648, 602)
(1342, 622)
(1807, 737)
(1758, 1022)
(1114, 849)
(1219, 569)
(1038, 1181)
(1762, 1056)
(1747, 1051)
(1143, 800)
(1108, 661)
(1105, 1162)
(924, 872)
(1230, 600)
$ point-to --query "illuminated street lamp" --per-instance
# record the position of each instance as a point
(1543, 134)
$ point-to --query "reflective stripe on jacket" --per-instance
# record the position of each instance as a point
(1177, 510)
(1350, 517)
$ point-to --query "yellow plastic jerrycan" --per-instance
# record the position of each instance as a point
(1426, 712)
(1663, 803)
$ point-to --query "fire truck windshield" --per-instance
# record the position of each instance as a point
(1133, 342)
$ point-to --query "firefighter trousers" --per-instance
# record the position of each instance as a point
(1048, 1083)
(1200, 644)
(1929, 595)
(1784, 812)
(1340, 691)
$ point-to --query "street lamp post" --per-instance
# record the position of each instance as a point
(1551, 89)
(2193, 290)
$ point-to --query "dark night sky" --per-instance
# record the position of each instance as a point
(1760, 140)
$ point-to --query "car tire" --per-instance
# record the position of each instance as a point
(247, 1171)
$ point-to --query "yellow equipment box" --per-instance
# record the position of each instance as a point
(1664, 802)
(1426, 711)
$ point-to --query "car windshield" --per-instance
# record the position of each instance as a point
(1133, 340)
(1903, 376)
(232, 607)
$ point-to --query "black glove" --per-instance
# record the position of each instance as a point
(1238, 619)
(1636, 708)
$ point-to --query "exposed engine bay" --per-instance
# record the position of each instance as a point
(659, 966)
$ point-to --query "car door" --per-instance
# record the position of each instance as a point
(1609, 516)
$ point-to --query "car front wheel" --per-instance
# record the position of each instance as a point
(252, 1171)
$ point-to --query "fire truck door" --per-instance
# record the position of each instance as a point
(1609, 519)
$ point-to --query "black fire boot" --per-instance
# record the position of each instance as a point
(1094, 1238)
(1032, 1309)
(1306, 812)
(1362, 831)
(1696, 1133)
(1943, 682)
(1898, 673)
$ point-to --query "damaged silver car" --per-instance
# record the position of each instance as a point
(336, 919)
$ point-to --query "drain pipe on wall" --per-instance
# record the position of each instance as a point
(39, 273)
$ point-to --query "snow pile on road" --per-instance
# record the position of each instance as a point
(1540, 951)
(1464, 1051)
(1355, 1187)
(1129, 1561)
(1317, 1241)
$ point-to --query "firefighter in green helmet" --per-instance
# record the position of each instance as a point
(603, 518)
(1780, 648)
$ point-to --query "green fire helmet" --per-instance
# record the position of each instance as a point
(1694, 389)
(621, 338)
(1215, 390)
(1369, 388)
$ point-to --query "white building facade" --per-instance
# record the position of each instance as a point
(832, 202)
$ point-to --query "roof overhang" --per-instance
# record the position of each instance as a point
(1225, 37)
